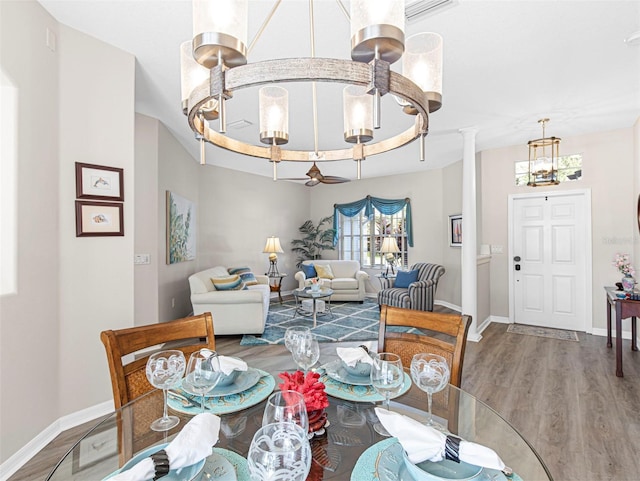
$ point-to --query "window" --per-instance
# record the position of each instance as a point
(569, 168)
(360, 239)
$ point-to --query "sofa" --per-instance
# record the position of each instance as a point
(241, 311)
(419, 294)
(348, 281)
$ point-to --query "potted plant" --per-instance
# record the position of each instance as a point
(316, 239)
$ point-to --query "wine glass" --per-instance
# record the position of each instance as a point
(286, 406)
(306, 352)
(387, 378)
(279, 452)
(431, 374)
(164, 370)
(202, 374)
(293, 334)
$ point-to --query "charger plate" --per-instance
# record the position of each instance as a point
(384, 462)
(188, 473)
(231, 403)
(358, 393)
(237, 461)
(244, 381)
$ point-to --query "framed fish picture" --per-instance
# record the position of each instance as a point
(99, 182)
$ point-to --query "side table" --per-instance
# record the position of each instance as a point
(275, 284)
(624, 308)
(385, 280)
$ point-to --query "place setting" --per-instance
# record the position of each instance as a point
(219, 385)
(363, 376)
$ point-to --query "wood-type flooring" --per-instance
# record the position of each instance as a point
(562, 396)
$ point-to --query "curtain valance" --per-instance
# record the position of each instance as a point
(384, 206)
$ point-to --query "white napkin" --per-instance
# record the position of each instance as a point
(194, 443)
(425, 443)
(351, 355)
(229, 364)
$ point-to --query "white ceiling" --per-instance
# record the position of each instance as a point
(506, 65)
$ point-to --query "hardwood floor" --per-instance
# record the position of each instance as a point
(562, 396)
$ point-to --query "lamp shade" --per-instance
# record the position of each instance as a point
(377, 30)
(422, 64)
(273, 246)
(357, 106)
(274, 115)
(366, 13)
(389, 245)
(221, 16)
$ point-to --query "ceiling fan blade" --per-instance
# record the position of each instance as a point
(293, 178)
(312, 182)
(332, 179)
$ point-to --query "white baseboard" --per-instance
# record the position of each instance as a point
(448, 305)
(29, 450)
(598, 331)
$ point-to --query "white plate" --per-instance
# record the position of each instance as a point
(188, 473)
(335, 370)
(245, 380)
(220, 469)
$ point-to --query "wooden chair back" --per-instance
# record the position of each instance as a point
(436, 333)
(129, 381)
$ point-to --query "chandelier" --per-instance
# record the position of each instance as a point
(543, 170)
(214, 66)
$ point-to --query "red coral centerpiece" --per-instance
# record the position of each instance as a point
(315, 397)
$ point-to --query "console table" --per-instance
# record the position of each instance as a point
(624, 308)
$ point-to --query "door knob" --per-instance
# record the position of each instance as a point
(516, 258)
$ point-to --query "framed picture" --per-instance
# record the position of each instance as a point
(99, 182)
(181, 229)
(97, 219)
(455, 230)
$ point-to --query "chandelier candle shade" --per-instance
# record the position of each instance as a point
(273, 248)
(219, 46)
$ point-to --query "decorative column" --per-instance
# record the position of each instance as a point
(469, 271)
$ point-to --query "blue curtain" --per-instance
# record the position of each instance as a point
(384, 206)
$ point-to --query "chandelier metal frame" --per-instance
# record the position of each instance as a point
(372, 53)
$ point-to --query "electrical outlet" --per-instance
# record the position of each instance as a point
(142, 259)
(496, 249)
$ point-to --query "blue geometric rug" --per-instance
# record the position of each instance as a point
(351, 321)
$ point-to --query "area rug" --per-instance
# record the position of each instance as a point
(351, 321)
(547, 332)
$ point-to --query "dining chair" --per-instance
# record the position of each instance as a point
(128, 381)
(407, 332)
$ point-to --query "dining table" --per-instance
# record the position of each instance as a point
(348, 449)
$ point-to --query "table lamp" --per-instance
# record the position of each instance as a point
(390, 249)
(273, 248)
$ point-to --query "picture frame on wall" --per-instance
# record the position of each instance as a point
(99, 219)
(181, 229)
(99, 182)
(455, 230)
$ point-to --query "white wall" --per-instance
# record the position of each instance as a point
(608, 164)
(636, 167)
(238, 211)
(29, 317)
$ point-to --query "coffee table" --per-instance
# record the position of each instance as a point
(307, 293)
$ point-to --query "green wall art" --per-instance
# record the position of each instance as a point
(181, 229)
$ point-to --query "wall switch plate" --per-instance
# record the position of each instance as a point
(496, 249)
(141, 259)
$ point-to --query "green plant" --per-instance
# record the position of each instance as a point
(316, 239)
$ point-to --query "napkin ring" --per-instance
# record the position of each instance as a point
(160, 463)
(452, 448)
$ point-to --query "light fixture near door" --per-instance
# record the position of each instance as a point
(543, 159)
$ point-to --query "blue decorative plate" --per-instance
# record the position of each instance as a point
(358, 393)
(384, 461)
(238, 462)
(335, 370)
(230, 403)
(188, 473)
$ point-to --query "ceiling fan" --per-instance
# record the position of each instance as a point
(316, 177)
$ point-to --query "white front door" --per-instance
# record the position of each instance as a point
(549, 248)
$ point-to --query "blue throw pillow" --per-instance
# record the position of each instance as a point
(404, 278)
(309, 271)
